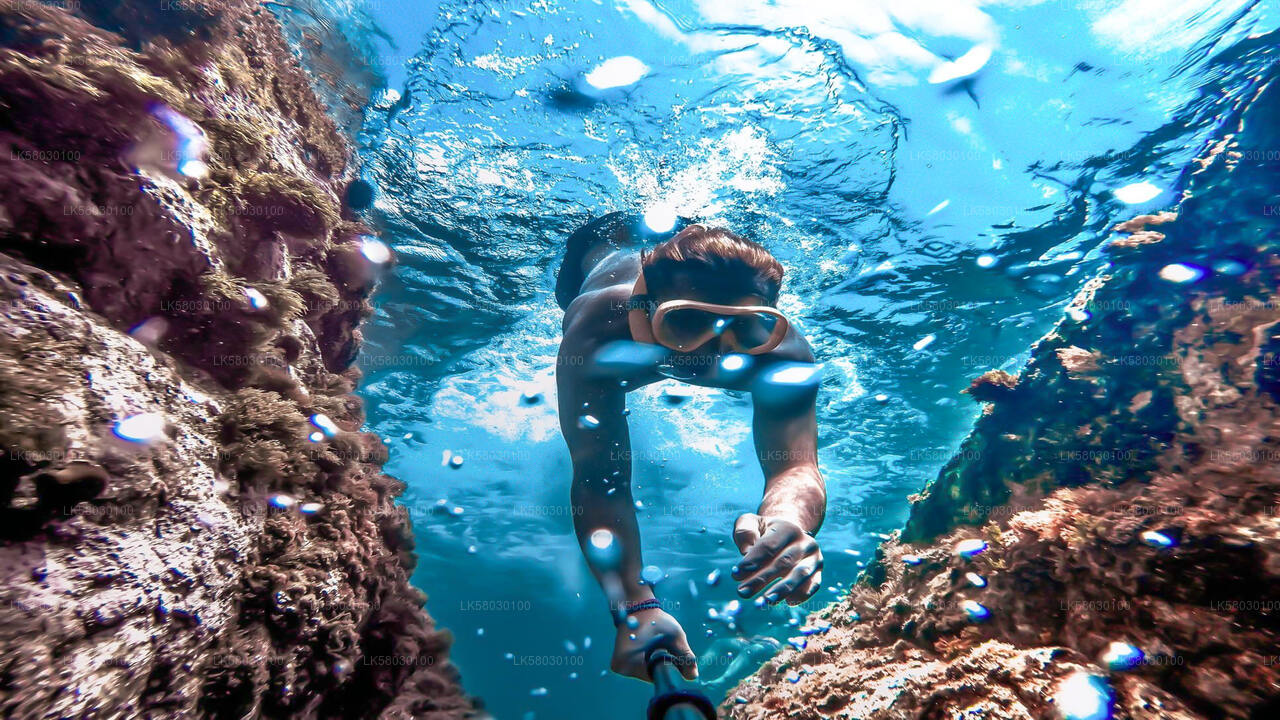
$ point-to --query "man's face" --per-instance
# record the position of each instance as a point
(684, 286)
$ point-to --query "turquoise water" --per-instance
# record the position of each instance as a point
(937, 178)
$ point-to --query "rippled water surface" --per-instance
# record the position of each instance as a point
(936, 176)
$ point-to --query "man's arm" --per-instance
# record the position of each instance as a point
(786, 440)
(776, 541)
(599, 441)
(595, 429)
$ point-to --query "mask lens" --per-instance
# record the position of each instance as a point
(688, 325)
(754, 330)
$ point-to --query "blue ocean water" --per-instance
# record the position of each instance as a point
(937, 177)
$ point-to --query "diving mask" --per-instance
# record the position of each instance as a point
(685, 325)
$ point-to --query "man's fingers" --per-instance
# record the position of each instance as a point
(670, 638)
(778, 567)
(686, 661)
(759, 580)
(746, 531)
(806, 591)
(776, 537)
(798, 576)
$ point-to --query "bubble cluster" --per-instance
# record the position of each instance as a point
(1181, 274)
(1122, 656)
(140, 428)
(1084, 696)
(618, 72)
(326, 425)
(969, 549)
(374, 250)
(976, 611)
(257, 300)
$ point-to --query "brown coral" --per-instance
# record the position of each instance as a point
(1127, 492)
(992, 386)
(231, 565)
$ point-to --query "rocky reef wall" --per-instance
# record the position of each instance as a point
(1106, 542)
(191, 523)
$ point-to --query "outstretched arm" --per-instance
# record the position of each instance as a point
(787, 444)
(596, 432)
(776, 541)
(595, 429)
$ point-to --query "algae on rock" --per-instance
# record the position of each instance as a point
(1125, 485)
(173, 245)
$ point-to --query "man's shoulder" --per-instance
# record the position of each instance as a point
(605, 306)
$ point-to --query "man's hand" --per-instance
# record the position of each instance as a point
(776, 548)
(656, 629)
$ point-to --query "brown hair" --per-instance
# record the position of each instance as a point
(719, 262)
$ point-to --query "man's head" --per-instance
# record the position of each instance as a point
(712, 265)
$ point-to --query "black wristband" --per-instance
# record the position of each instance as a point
(634, 607)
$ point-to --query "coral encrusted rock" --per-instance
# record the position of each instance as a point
(191, 523)
(1107, 538)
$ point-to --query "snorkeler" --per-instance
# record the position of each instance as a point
(696, 303)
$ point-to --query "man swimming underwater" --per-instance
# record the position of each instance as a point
(700, 301)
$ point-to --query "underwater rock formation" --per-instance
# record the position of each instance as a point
(193, 525)
(1106, 541)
